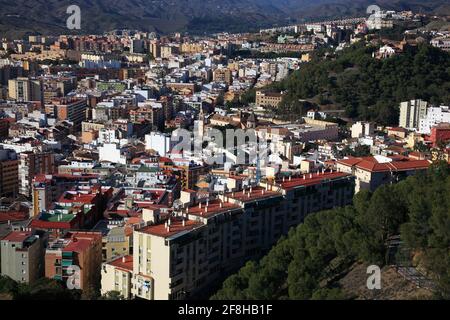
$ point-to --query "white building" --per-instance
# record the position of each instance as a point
(411, 112)
(111, 152)
(362, 129)
(159, 142)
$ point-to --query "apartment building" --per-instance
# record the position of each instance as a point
(117, 275)
(223, 75)
(268, 99)
(4, 127)
(25, 89)
(70, 109)
(362, 129)
(46, 189)
(372, 172)
(411, 112)
(75, 251)
(180, 256)
(434, 116)
(442, 43)
(22, 255)
(9, 176)
(440, 134)
(31, 164)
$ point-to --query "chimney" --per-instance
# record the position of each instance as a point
(290, 178)
(284, 179)
(221, 204)
(200, 205)
(263, 191)
(124, 259)
(310, 175)
(184, 223)
(206, 209)
(187, 210)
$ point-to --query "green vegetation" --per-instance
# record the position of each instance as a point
(368, 88)
(43, 289)
(304, 264)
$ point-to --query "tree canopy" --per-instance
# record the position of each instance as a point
(365, 87)
(304, 264)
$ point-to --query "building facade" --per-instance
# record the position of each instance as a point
(182, 256)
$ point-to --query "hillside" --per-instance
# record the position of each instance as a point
(21, 17)
(317, 258)
(393, 285)
(365, 87)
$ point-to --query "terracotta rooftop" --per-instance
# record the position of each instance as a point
(399, 164)
(176, 226)
(17, 236)
(256, 193)
(80, 241)
(211, 208)
(309, 179)
(13, 216)
(124, 263)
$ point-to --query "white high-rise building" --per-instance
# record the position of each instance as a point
(435, 115)
(411, 112)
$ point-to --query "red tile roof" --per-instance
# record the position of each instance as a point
(17, 236)
(13, 216)
(214, 207)
(176, 227)
(124, 263)
(398, 164)
(310, 179)
(256, 193)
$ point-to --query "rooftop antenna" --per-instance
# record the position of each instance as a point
(258, 169)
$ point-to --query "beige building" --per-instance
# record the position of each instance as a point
(117, 275)
(264, 99)
(22, 256)
(223, 75)
(184, 255)
(24, 89)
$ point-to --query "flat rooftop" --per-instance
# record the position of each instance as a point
(175, 228)
(212, 208)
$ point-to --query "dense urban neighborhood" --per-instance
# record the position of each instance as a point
(260, 165)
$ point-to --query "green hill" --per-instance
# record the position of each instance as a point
(310, 261)
(365, 87)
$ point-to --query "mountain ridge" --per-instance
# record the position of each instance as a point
(165, 16)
